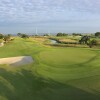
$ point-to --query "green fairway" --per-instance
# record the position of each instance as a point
(56, 74)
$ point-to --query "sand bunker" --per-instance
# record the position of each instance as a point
(17, 61)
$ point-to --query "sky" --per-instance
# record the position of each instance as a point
(49, 16)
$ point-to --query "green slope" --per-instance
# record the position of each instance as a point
(56, 74)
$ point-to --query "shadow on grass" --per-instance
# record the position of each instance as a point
(92, 59)
(88, 61)
(27, 86)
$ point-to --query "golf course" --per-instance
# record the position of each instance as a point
(56, 73)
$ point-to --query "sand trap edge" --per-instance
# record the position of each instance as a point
(17, 61)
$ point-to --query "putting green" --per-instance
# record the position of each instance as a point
(65, 64)
(66, 56)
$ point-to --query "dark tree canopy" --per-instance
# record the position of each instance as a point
(92, 43)
(19, 34)
(24, 36)
(88, 40)
(6, 38)
(84, 39)
(1, 36)
(76, 34)
(61, 34)
(97, 34)
(46, 35)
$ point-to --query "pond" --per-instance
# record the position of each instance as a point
(53, 41)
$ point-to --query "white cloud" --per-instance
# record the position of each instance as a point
(37, 10)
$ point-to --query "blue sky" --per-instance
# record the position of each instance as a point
(49, 16)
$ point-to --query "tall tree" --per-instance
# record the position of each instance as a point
(19, 34)
(84, 39)
(97, 34)
(24, 36)
(1, 36)
(6, 38)
(92, 43)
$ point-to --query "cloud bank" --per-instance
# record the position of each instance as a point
(17, 12)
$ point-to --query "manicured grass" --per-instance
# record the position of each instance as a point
(56, 74)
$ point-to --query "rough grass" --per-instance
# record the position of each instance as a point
(67, 40)
(57, 74)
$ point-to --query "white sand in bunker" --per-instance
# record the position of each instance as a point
(16, 61)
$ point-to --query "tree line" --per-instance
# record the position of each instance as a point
(97, 34)
(22, 35)
(6, 38)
